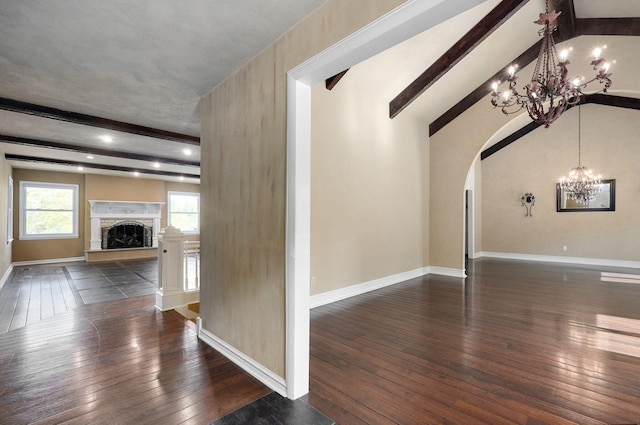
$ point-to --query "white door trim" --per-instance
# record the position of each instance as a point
(407, 20)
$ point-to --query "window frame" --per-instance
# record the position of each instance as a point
(169, 213)
(24, 185)
(10, 210)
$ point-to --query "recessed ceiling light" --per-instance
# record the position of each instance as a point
(156, 165)
(186, 151)
(105, 138)
(135, 173)
(181, 177)
(80, 168)
(89, 156)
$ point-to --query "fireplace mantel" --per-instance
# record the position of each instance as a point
(123, 210)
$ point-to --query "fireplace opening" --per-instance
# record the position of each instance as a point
(127, 235)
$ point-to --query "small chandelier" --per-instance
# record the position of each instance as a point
(581, 186)
(549, 93)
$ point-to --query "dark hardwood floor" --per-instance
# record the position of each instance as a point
(112, 362)
(519, 343)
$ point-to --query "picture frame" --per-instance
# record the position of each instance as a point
(605, 199)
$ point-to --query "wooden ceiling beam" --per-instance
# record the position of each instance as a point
(24, 158)
(93, 151)
(481, 91)
(566, 21)
(509, 139)
(616, 101)
(596, 98)
(92, 121)
(608, 26)
(457, 52)
(599, 26)
(331, 82)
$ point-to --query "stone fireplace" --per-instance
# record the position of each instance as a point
(124, 225)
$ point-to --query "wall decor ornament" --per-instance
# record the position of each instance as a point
(528, 201)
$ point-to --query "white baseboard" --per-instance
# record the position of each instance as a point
(362, 288)
(5, 278)
(255, 369)
(48, 261)
(561, 259)
(444, 271)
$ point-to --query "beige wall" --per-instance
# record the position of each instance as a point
(534, 164)
(369, 178)
(113, 188)
(34, 250)
(243, 185)
(5, 247)
(456, 146)
(92, 187)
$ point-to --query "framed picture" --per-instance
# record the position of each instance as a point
(604, 200)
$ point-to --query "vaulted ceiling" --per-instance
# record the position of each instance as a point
(74, 72)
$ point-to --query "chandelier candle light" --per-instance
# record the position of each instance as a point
(549, 93)
(581, 185)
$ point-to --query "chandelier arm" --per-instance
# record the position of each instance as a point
(549, 92)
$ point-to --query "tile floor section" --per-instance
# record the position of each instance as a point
(38, 292)
(110, 281)
(274, 409)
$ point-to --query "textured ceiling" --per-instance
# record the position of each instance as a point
(146, 61)
(149, 62)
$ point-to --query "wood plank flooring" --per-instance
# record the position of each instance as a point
(33, 294)
(117, 362)
(518, 343)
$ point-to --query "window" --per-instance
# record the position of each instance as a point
(184, 211)
(48, 210)
(10, 210)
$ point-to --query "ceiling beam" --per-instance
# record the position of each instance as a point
(481, 91)
(455, 54)
(92, 121)
(93, 151)
(331, 82)
(509, 139)
(565, 28)
(91, 165)
(608, 26)
(616, 101)
(597, 99)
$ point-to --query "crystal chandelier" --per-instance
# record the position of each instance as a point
(581, 186)
(549, 93)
